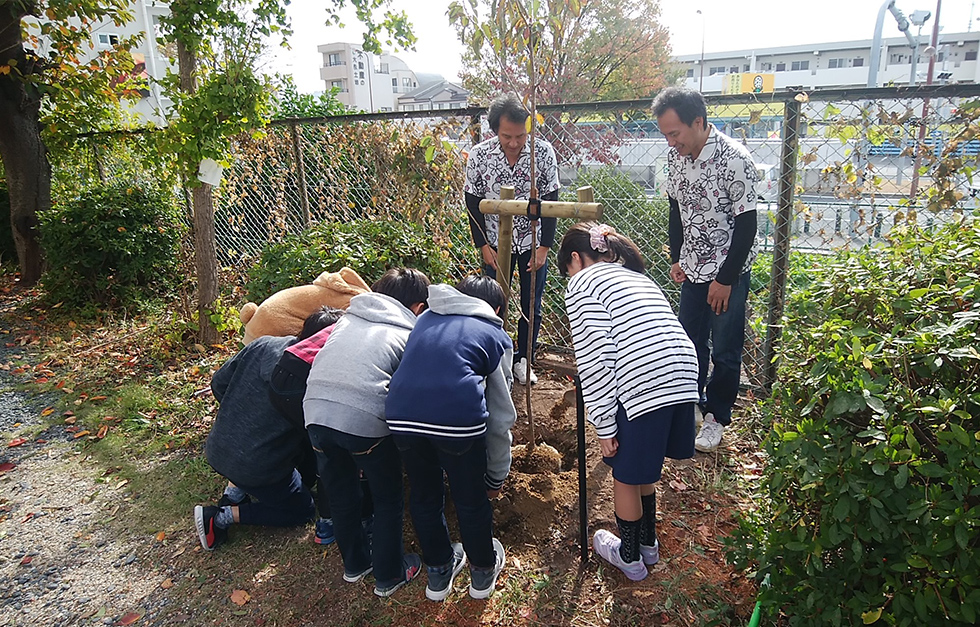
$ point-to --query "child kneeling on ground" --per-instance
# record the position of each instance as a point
(287, 389)
(256, 448)
(639, 375)
(344, 408)
(449, 409)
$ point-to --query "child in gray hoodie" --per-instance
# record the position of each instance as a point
(345, 418)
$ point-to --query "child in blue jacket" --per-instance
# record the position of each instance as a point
(449, 409)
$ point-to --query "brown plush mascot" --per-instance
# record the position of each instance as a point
(283, 313)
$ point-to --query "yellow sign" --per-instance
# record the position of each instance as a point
(748, 83)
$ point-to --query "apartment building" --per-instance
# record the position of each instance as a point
(151, 63)
(837, 64)
(375, 83)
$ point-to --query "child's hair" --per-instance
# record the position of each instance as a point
(484, 288)
(406, 285)
(598, 242)
(319, 320)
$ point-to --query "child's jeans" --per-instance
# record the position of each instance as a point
(341, 457)
(285, 503)
(465, 463)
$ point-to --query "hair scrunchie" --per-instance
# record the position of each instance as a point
(597, 237)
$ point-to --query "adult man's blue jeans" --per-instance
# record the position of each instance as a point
(720, 337)
(341, 457)
(465, 463)
(541, 277)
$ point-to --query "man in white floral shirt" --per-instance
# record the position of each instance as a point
(505, 160)
(711, 188)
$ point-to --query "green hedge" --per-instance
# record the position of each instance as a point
(872, 489)
(112, 246)
(367, 247)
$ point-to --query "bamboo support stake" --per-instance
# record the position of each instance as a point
(505, 239)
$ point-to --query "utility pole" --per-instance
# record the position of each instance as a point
(701, 63)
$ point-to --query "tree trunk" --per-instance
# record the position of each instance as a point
(205, 249)
(207, 262)
(24, 157)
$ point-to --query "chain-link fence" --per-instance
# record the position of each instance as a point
(842, 169)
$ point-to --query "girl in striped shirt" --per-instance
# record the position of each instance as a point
(639, 377)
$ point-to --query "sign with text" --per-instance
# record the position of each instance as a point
(748, 83)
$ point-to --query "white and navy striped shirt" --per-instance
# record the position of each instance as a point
(629, 345)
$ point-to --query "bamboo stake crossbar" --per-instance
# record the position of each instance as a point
(549, 209)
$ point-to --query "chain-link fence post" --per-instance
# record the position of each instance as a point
(780, 246)
(304, 199)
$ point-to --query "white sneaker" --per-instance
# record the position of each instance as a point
(606, 544)
(710, 436)
(650, 554)
(482, 582)
(523, 372)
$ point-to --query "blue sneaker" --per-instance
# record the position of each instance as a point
(441, 578)
(412, 564)
(324, 531)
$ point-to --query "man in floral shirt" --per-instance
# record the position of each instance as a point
(711, 188)
(505, 160)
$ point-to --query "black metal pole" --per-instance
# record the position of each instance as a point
(583, 514)
(780, 245)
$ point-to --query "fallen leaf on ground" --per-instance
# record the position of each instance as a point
(7, 467)
(16, 442)
(27, 560)
(121, 484)
(81, 433)
(240, 597)
(129, 618)
(47, 411)
(28, 517)
(98, 398)
(167, 583)
(678, 485)
(161, 536)
(104, 429)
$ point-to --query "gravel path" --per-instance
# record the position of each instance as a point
(65, 558)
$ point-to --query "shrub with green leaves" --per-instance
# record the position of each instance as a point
(367, 247)
(112, 246)
(871, 495)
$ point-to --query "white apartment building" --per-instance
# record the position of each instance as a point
(837, 64)
(150, 62)
(375, 83)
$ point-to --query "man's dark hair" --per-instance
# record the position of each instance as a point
(484, 288)
(506, 105)
(406, 285)
(319, 320)
(687, 103)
